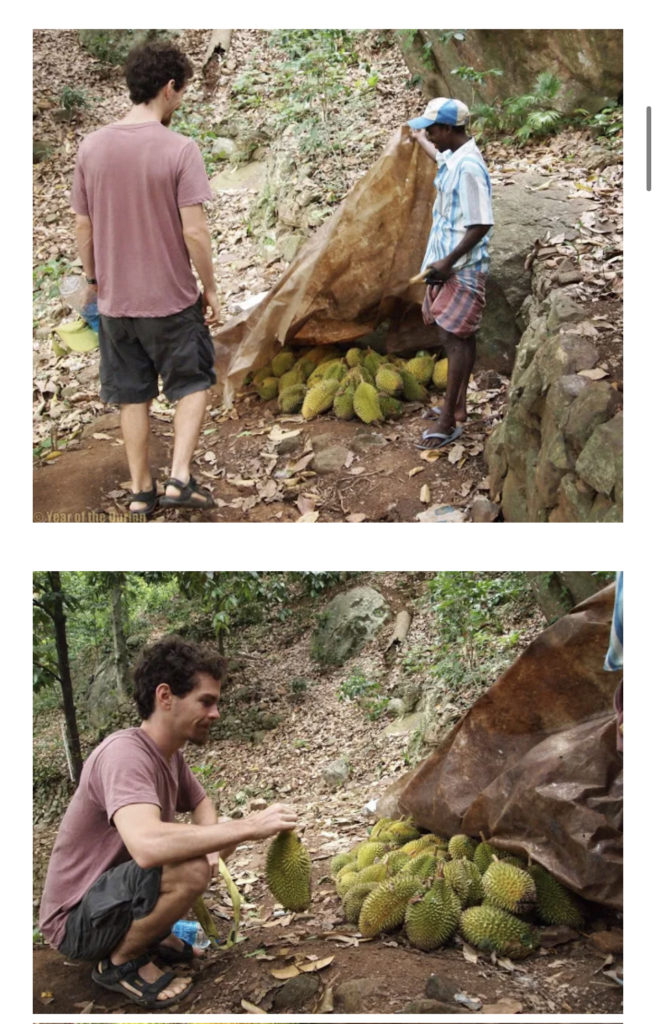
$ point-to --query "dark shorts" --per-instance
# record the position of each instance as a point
(96, 924)
(135, 351)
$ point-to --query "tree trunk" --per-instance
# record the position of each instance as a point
(61, 643)
(121, 660)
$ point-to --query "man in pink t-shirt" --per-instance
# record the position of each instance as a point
(138, 194)
(122, 870)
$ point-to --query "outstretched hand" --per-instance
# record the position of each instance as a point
(273, 819)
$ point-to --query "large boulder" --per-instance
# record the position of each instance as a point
(347, 623)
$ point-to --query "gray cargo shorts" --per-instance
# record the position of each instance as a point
(136, 351)
(96, 925)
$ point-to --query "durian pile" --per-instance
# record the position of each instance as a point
(360, 383)
(434, 887)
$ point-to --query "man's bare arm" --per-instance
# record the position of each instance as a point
(84, 240)
(205, 814)
(199, 246)
(152, 842)
(472, 236)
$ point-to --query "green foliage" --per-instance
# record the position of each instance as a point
(366, 692)
(531, 115)
(46, 276)
(315, 583)
(465, 603)
(198, 122)
(72, 100)
(112, 45)
(607, 123)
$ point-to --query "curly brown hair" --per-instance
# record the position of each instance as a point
(177, 662)
(149, 66)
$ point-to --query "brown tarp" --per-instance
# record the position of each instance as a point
(350, 272)
(533, 764)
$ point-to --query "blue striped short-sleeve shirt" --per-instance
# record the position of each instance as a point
(464, 198)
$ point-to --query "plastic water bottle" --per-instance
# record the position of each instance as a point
(191, 932)
(73, 291)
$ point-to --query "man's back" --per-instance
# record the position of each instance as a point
(131, 179)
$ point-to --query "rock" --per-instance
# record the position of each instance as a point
(513, 500)
(258, 804)
(483, 510)
(330, 460)
(596, 403)
(225, 149)
(296, 993)
(289, 245)
(396, 707)
(366, 439)
(564, 354)
(440, 987)
(103, 696)
(607, 942)
(574, 501)
(110, 421)
(349, 996)
(336, 773)
(244, 177)
(347, 623)
(563, 309)
(600, 462)
(290, 444)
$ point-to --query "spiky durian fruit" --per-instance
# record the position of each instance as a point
(440, 374)
(343, 401)
(382, 824)
(494, 930)
(465, 879)
(420, 843)
(391, 408)
(395, 861)
(354, 356)
(369, 852)
(508, 887)
(319, 398)
(371, 360)
(432, 920)
(354, 898)
(555, 903)
(290, 399)
(462, 846)
(413, 391)
(373, 872)
(268, 388)
(263, 373)
(384, 908)
(288, 871)
(282, 362)
(483, 856)
(346, 878)
(327, 368)
(422, 865)
(388, 379)
(291, 377)
(404, 830)
(365, 403)
(510, 858)
(339, 861)
(421, 367)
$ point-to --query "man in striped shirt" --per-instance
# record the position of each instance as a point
(456, 259)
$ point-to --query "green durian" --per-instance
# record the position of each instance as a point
(319, 398)
(288, 870)
(354, 898)
(373, 872)
(345, 879)
(388, 379)
(440, 374)
(509, 887)
(432, 920)
(366, 404)
(369, 852)
(395, 861)
(555, 904)
(371, 361)
(339, 861)
(384, 908)
(262, 374)
(354, 356)
(421, 367)
(291, 399)
(268, 388)
(390, 407)
(343, 402)
(420, 843)
(483, 856)
(291, 377)
(404, 830)
(413, 391)
(465, 879)
(493, 930)
(383, 823)
(422, 865)
(282, 362)
(462, 846)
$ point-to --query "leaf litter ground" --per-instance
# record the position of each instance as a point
(80, 468)
(572, 973)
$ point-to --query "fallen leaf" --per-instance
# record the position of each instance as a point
(356, 517)
(84, 1007)
(430, 456)
(285, 972)
(278, 434)
(595, 374)
(305, 504)
(326, 1005)
(469, 954)
(251, 1007)
(503, 1006)
(456, 453)
(425, 495)
(415, 470)
(296, 467)
(103, 437)
(47, 997)
(308, 517)
(317, 965)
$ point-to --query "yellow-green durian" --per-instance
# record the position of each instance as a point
(391, 408)
(555, 904)
(354, 898)
(354, 356)
(462, 846)
(493, 930)
(421, 367)
(282, 362)
(413, 391)
(509, 887)
(268, 388)
(291, 399)
(483, 856)
(384, 908)
(440, 374)
(432, 920)
(288, 870)
(369, 852)
(465, 879)
(388, 379)
(339, 861)
(319, 398)
(365, 403)
(263, 373)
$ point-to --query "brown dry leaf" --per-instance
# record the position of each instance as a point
(251, 1007)
(304, 461)
(285, 972)
(317, 965)
(327, 1003)
(470, 955)
(503, 1006)
(348, 940)
(415, 470)
(305, 504)
(308, 517)
(46, 997)
(85, 1007)
(425, 495)
(103, 437)
(456, 453)
(356, 517)
(278, 434)
(238, 481)
(430, 456)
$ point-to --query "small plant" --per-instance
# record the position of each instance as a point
(112, 45)
(531, 115)
(72, 100)
(298, 687)
(366, 692)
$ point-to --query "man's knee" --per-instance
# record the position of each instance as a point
(193, 875)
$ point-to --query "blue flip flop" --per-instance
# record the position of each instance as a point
(434, 439)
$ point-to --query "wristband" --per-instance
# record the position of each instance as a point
(91, 280)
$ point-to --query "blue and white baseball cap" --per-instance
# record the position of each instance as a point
(442, 110)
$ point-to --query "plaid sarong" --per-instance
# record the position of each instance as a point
(458, 304)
